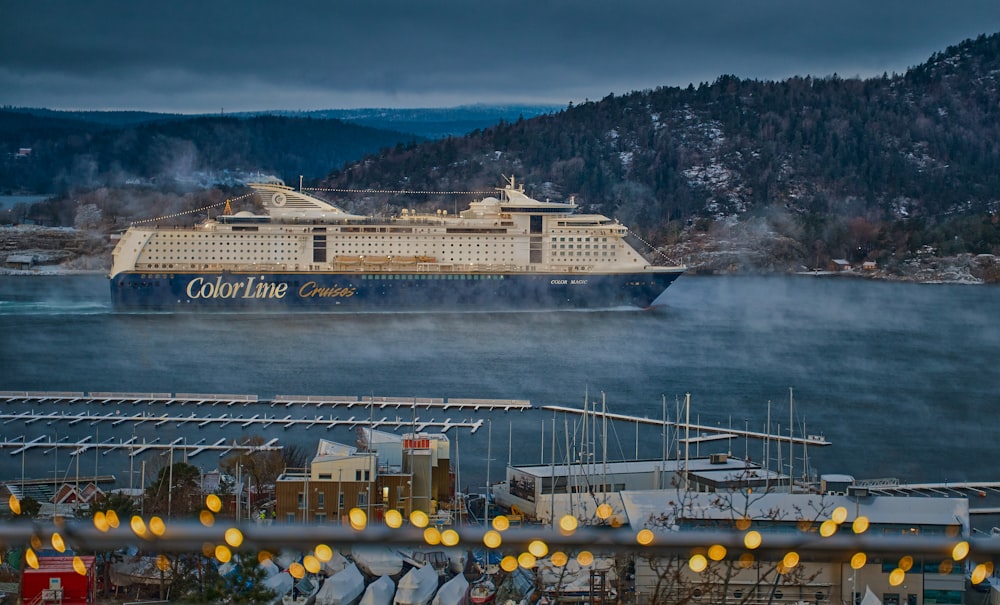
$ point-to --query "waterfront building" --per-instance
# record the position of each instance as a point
(830, 581)
(408, 472)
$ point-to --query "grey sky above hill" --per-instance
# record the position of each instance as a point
(223, 55)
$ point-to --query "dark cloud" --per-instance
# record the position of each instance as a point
(202, 56)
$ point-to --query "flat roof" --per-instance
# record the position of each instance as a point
(640, 505)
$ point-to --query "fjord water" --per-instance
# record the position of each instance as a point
(901, 378)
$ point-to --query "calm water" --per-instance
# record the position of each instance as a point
(902, 378)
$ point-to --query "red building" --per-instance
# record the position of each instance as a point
(56, 581)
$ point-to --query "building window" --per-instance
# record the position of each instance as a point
(302, 500)
(321, 500)
(363, 501)
(290, 517)
(320, 517)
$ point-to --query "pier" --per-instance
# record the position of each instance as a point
(69, 398)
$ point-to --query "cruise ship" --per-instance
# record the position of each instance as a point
(505, 251)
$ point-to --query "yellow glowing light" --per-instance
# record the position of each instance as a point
(860, 525)
(78, 566)
(604, 511)
(945, 567)
(358, 519)
(538, 548)
(297, 571)
(234, 537)
(746, 560)
(790, 560)
(100, 521)
(419, 518)
(559, 558)
(213, 502)
(157, 526)
(31, 558)
(839, 515)
(828, 528)
(526, 560)
(449, 537)
(858, 560)
(752, 539)
(432, 536)
(311, 564)
(906, 563)
(501, 523)
(644, 537)
(14, 504)
(57, 542)
(393, 518)
(896, 577)
(208, 549)
(163, 563)
(568, 524)
(492, 539)
(585, 558)
(979, 574)
(223, 554)
(323, 553)
(112, 518)
(508, 563)
(960, 551)
(138, 526)
(698, 563)
(743, 523)
(263, 556)
(36, 542)
(716, 552)
(207, 518)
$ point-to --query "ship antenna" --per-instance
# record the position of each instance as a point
(228, 210)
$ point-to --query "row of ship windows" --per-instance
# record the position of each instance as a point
(430, 276)
(215, 237)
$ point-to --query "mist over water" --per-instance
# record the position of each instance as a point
(900, 377)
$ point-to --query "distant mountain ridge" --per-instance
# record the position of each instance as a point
(72, 149)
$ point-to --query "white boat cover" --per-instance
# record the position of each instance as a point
(454, 592)
(417, 587)
(379, 592)
(343, 588)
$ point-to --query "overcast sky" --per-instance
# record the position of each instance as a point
(212, 55)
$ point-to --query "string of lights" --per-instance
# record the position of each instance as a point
(193, 211)
(396, 191)
(522, 546)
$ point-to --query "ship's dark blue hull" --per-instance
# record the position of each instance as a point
(370, 291)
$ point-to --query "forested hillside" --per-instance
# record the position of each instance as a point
(80, 151)
(830, 167)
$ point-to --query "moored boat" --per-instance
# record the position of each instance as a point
(453, 592)
(417, 587)
(482, 591)
(345, 587)
(379, 592)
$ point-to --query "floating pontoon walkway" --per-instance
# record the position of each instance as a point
(287, 421)
(706, 433)
(215, 399)
(134, 446)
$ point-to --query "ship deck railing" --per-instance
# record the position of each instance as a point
(389, 268)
